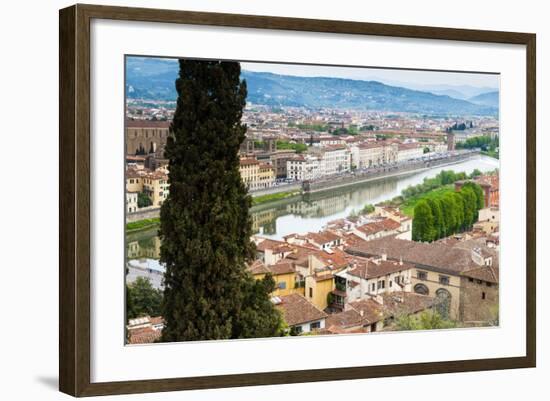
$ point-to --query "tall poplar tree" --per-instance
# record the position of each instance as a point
(205, 226)
(423, 223)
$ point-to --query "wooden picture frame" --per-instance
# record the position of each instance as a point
(74, 199)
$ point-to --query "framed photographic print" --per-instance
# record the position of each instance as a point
(263, 200)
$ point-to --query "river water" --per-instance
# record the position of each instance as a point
(311, 212)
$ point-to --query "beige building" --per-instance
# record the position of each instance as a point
(375, 154)
(155, 185)
(146, 137)
(256, 175)
(438, 267)
(152, 183)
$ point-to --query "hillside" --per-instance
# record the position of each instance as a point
(486, 99)
(153, 79)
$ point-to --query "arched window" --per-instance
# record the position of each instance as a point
(421, 289)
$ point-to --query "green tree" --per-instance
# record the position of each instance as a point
(480, 196)
(449, 211)
(142, 299)
(439, 221)
(470, 206)
(427, 320)
(423, 223)
(475, 173)
(205, 226)
(459, 211)
(144, 200)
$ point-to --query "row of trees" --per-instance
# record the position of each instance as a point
(483, 142)
(445, 177)
(453, 212)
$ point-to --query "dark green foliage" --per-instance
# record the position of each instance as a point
(449, 210)
(475, 173)
(482, 142)
(470, 206)
(459, 212)
(427, 320)
(205, 226)
(423, 223)
(480, 196)
(143, 200)
(142, 299)
(438, 220)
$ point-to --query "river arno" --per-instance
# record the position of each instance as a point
(311, 212)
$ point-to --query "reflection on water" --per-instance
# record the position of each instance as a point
(312, 211)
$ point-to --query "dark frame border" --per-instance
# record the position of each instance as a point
(74, 199)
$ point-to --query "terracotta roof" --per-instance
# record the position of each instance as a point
(346, 319)
(367, 269)
(484, 273)
(143, 335)
(298, 310)
(378, 226)
(322, 237)
(269, 244)
(369, 309)
(337, 259)
(282, 268)
(257, 267)
(405, 302)
(248, 162)
(438, 256)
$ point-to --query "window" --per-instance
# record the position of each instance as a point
(489, 284)
(381, 284)
(282, 285)
(315, 325)
(421, 275)
(483, 295)
(444, 280)
(310, 292)
(373, 287)
(470, 279)
(391, 283)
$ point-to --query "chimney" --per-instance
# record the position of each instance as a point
(362, 312)
(384, 256)
(401, 261)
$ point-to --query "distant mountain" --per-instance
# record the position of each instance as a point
(153, 79)
(486, 99)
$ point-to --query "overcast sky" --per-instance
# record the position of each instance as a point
(410, 78)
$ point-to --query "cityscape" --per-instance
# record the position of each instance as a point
(373, 204)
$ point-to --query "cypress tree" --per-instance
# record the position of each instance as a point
(205, 227)
(423, 223)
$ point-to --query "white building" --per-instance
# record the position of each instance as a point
(409, 151)
(303, 167)
(367, 278)
(334, 160)
(131, 202)
(374, 154)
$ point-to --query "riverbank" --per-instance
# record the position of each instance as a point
(142, 225)
(153, 222)
(258, 200)
(386, 172)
